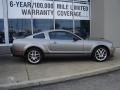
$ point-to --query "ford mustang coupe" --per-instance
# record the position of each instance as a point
(59, 43)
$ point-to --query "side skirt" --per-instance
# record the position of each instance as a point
(67, 54)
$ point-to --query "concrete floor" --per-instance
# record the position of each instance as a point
(17, 70)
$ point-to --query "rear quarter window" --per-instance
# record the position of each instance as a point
(41, 36)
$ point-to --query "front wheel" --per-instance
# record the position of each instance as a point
(100, 54)
(34, 56)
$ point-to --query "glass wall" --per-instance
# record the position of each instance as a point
(81, 21)
(43, 17)
(19, 28)
(26, 17)
(82, 28)
(64, 15)
(64, 24)
(32, 16)
(42, 25)
(2, 34)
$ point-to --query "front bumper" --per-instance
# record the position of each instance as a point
(112, 51)
(15, 53)
(12, 51)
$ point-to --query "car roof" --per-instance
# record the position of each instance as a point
(53, 31)
(47, 31)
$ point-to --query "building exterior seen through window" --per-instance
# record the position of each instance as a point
(42, 25)
(64, 24)
(19, 28)
(82, 28)
(26, 17)
(2, 34)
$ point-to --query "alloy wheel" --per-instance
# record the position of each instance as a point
(34, 56)
(101, 54)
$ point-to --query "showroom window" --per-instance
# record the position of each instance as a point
(82, 28)
(19, 19)
(19, 28)
(64, 15)
(81, 19)
(2, 34)
(43, 16)
(26, 17)
(64, 24)
(42, 25)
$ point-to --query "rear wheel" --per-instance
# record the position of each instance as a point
(34, 56)
(100, 54)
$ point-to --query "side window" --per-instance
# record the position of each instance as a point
(52, 35)
(61, 35)
(41, 36)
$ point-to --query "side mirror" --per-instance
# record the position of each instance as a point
(75, 39)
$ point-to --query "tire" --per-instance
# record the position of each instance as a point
(100, 54)
(34, 56)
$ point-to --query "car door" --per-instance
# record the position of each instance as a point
(62, 42)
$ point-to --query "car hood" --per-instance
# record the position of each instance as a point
(99, 40)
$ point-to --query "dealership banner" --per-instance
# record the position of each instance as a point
(44, 9)
(1, 10)
(63, 10)
(81, 11)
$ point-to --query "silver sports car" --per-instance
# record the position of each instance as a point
(59, 43)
